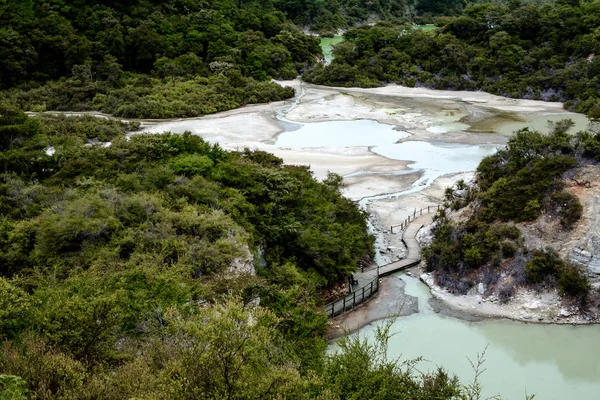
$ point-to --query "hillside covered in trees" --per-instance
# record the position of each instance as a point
(533, 50)
(520, 183)
(127, 271)
(156, 59)
(148, 58)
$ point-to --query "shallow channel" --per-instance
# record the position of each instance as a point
(552, 361)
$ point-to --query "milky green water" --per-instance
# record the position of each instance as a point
(555, 362)
(543, 124)
(327, 46)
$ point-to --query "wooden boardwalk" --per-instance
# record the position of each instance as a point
(413, 253)
(367, 284)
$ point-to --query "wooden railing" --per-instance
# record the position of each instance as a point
(416, 213)
(357, 297)
(350, 301)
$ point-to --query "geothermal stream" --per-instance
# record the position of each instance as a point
(397, 148)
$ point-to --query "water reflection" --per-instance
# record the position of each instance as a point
(552, 361)
(572, 350)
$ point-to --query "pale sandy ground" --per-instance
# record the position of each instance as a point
(343, 160)
(368, 185)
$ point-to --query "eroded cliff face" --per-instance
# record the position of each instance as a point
(586, 252)
(581, 243)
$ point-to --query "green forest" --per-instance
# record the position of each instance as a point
(183, 58)
(125, 272)
(544, 51)
(148, 59)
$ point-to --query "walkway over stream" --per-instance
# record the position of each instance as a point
(367, 281)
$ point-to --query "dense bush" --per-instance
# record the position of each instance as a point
(523, 180)
(514, 49)
(122, 273)
(147, 59)
(542, 265)
(100, 246)
(546, 266)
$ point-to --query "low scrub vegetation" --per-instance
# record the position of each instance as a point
(517, 184)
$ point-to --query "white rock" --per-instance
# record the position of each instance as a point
(481, 288)
(565, 313)
(534, 305)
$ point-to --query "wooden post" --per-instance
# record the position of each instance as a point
(344, 306)
(391, 228)
(371, 288)
(353, 299)
(363, 298)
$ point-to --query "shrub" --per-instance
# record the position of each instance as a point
(12, 388)
(542, 265)
(508, 249)
(572, 282)
(567, 206)
(191, 164)
(473, 257)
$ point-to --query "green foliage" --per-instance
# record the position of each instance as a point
(232, 352)
(14, 305)
(49, 373)
(192, 164)
(12, 388)
(15, 127)
(326, 17)
(572, 282)
(527, 173)
(458, 249)
(110, 255)
(542, 265)
(546, 266)
(513, 49)
(149, 60)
